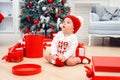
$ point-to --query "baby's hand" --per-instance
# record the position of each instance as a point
(54, 56)
(62, 58)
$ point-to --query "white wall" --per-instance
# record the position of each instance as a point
(115, 3)
(7, 36)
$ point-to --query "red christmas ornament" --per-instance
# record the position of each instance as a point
(38, 29)
(35, 21)
(30, 3)
(59, 11)
(28, 18)
(50, 1)
(63, 2)
(27, 31)
(56, 16)
(1, 17)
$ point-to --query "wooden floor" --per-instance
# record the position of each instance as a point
(50, 72)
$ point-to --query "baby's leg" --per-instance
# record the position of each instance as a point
(48, 57)
(71, 61)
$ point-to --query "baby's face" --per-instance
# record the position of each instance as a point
(67, 26)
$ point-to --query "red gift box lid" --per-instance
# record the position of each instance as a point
(47, 40)
(105, 63)
(105, 78)
(26, 69)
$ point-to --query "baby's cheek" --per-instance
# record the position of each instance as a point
(68, 27)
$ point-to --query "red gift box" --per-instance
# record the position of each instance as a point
(80, 50)
(13, 48)
(108, 64)
(47, 40)
(33, 45)
(15, 53)
(105, 78)
(15, 56)
(104, 68)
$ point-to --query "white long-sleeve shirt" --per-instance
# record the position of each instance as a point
(65, 45)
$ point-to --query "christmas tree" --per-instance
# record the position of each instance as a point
(42, 15)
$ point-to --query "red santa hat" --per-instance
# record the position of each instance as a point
(76, 22)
